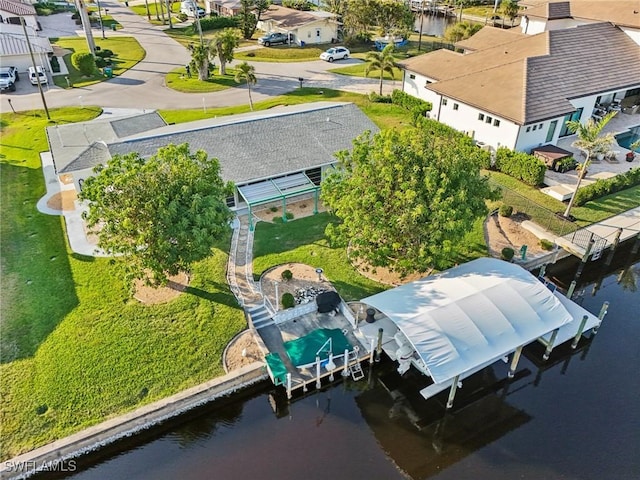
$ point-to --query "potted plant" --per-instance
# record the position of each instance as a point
(632, 154)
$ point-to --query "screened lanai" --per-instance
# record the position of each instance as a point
(280, 188)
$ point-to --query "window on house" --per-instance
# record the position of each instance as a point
(412, 76)
(496, 123)
(488, 119)
(481, 116)
(456, 106)
(528, 129)
(444, 102)
(535, 127)
(231, 201)
(318, 33)
(540, 126)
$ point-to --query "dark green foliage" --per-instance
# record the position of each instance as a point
(41, 409)
(274, 209)
(106, 53)
(607, 186)
(521, 166)
(376, 98)
(506, 210)
(84, 63)
(297, 4)
(55, 65)
(215, 23)
(507, 253)
(286, 275)
(409, 102)
(101, 62)
(565, 165)
(183, 17)
(289, 215)
(546, 244)
(287, 300)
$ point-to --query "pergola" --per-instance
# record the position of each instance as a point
(279, 188)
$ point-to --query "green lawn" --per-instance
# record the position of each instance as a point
(156, 11)
(75, 348)
(177, 79)
(127, 52)
(358, 71)
(282, 53)
(384, 115)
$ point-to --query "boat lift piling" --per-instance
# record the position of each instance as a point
(612, 250)
(603, 312)
(514, 361)
(379, 347)
(576, 339)
(549, 345)
(452, 392)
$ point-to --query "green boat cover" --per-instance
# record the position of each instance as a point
(277, 368)
(303, 350)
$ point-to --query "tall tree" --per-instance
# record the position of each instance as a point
(247, 20)
(246, 73)
(394, 18)
(201, 56)
(405, 199)
(461, 31)
(591, 143)
(383, 61)
(509, 8)
(335, 6)
(357, 18)
(159, 214)
(224, 43)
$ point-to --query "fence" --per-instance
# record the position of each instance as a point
(542, 216)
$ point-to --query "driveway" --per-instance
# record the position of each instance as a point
(143, 85)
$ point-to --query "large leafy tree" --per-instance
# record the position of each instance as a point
(246, 73)
(224, 43)
(335, 6)
(394, 18)
(591, 143)
(461, 31)
(158, 215)
(383, 61)
(405, 199)
(357, 18)
(247, 20)
(202, 54)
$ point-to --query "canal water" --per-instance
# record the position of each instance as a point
(575, 417)
(433, 25)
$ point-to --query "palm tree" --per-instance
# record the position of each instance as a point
(461, 31)
(590, 142)
(201, 55)
(383, 61)
(509, 9)
(246, 73)
(224, 43)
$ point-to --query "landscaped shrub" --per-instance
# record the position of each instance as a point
(610, 185)
(521, 166)
(286, 275)
(409, 102)
(55, 65)
(289, 215)
(214, 23)
(84, 62)
(274, 209)
(106, 53)
(506, 210)
(182, 17)
(100, 62)
(287, 300)
(375, 98)
(546, 244)
(507, 253)
(565, 165)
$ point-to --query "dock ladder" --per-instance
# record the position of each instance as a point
(355, 369)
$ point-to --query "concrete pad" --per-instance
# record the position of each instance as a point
(559, 192)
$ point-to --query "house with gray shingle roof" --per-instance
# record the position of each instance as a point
(272, 155)
(12, 10)
(14, 49)
(520, 91)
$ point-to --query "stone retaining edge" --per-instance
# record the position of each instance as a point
(51, 455)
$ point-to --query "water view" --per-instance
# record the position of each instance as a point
(433, 25)
(574, 417)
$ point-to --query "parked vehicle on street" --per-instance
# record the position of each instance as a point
(336, 53)
(190, 9)
(37, 75)
(274, 38)
(8, 78)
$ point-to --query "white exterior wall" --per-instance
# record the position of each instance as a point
(320, 32)
(633, 33)
(466, 119)
(535, 134)
(532, 26)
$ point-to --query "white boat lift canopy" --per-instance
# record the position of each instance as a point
(471, 315)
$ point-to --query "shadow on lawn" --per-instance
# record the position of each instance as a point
(217, 297)
(38, 288)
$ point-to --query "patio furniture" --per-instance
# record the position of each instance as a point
(612, 156)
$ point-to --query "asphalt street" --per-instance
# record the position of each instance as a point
(143, 86)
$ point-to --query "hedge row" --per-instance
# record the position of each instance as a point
(214, 23)
(411, 103)
(610, 185)
(521, 166)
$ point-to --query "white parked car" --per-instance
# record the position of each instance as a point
(37, 75)
(336, 53)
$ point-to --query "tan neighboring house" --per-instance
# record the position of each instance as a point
(223, 8)
(12, 10)
(304, 27)
(519, 91)
(14, 50)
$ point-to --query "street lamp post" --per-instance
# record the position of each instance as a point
(100, 17)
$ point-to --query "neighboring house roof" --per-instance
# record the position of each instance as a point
(17, 8)
(255, 147)
(13, 44)
(78, 146)
(291, 18)
(532, 78)
(620, 12)
(490, 37)
(228, 4)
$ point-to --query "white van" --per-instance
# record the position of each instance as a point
(41, 76)
(190, 9)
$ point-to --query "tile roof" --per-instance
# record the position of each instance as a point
(533, 78)
(17, 7)
(620, 12)
(259, 146)
(490, 37)
(291, 18)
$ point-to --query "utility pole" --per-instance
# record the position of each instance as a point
(169, 13)
(33, 63)
(100, 17)
(86, 26)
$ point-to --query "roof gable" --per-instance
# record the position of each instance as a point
(290, 18)
(17, 8)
